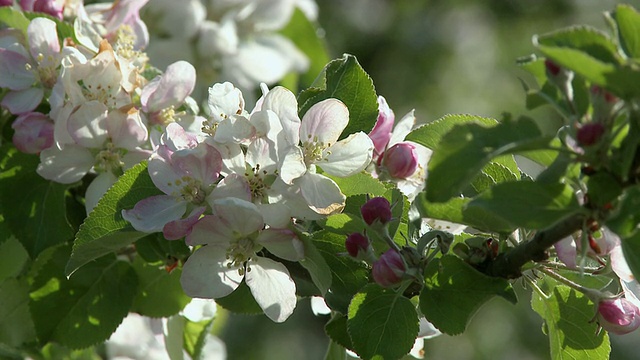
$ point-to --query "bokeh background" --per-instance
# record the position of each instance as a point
(438, 57)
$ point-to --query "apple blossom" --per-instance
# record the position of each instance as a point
(232, 239)
(619, 316)
(33, 132)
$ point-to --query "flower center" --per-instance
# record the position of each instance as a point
(190, 190)
(100, 93)
(241, 250)
(314, 151)
(209, 127)
(109, 159)
(123, 45)
(47, 70)
(259, 182)
(166, 116)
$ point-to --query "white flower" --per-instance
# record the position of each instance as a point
(232, 238)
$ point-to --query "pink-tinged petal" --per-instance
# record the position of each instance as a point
(22, 101)
(126, 129)
(322, 194)
(283, 102)
(402, 128)
(162, 173)
(33, 132)
(348, 156)
(566, 252)
(13, 72)
(97, 188)
(211, 230)
(177, 229)
(88, 124)
(202, 163)
(292, 165)
(282, 243)
(135, 157)
(242, 216)
(174, 86)
(206, 275)
(381, 132)
(324, 122)
(262, 153)
(43, 38)
(236, 129)
(176, 138)
(148, 90)
(122, 11)
(619, 264)
(66, 165)
(153, 213)
(234, 185)
(272, 287)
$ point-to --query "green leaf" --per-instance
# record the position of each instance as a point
(347, 81)
(528, 204)
(343, 223)
(456, 211)
(13, 258)
(465, 150)
(603, 188)
(430, 134)
(304, 35)
(240, 301)
(382, 323)
(628, 22)
(454, 292)
(16, 325)
(493, 173)
(589, 40)
(568, 322)
(316, 265)
(348, 275)
(86, 309)
(155, 248)
(14, 18)
(361, 183)
(195, 337)
(336, 329)
(105, 231)
(159, 292)
(37, 213)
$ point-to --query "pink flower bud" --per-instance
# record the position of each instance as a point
(608, 97)
(381, 133)
(589, 134)
(357, 245)
(389, 269)
(49, 7)
(376, 209)
(6, 2)
(33, 132)
(619, 316)
(401, 160)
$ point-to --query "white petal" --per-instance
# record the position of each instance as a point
(199, 310)
(43, 37)
(324, 122)
(126, 129)
(292, 165)
(242, 216)
(272, 287)
(153, 213)
(348, 156)
(206, 275)
(236, 129)
(283, 102)
(233, 185)
(97, 188)
(66, 165)
(175, 85)
(282, 243)
(322, 194)
(224, 100)
(88, 124)
(210, 230)
(319, 306)
(276, 215)
(13, 72)
(402, 128)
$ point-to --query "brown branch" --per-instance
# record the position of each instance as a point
(509, 265)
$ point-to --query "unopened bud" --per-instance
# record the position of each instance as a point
(603, 103)
(619, 316)
(389, 269)
(33, 132)
(401, 160)
(376, 209)
(357, 245)
(552, 68)
(590, 133)
(49, 7)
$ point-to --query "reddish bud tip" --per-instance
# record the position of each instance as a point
(378, 209)
(552, 67)
(356, 244)
(589, 134)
